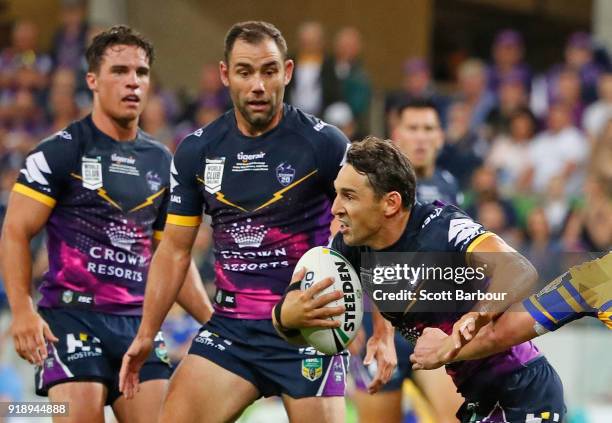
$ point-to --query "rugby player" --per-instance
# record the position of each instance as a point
(420, 137)
(100, 188)
(264, 172)
(584, 290)
(376, 207)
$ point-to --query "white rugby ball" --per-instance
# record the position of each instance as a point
(321, 263)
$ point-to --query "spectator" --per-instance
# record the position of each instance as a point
(69, 42)
(211, 93)
(464, 149)
(560, 150)
(416, 83)
(508, 152)
(340, 115)
(512, 96)
(353, 79)
(314, 85)
(542, 250)
(567, 90)
(597, 115)
(473, 91)
(508, 52)
(155, 122)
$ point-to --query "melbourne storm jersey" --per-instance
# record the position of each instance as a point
(435, 228)
(441, 186)
(109, 200)
(269, 198)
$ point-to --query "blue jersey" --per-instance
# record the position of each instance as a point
(269, 198)
(435, 228)
(109, 199)
(441, 186)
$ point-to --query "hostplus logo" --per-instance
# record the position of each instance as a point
(248, 236)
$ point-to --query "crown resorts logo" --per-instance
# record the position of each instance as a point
(248, 236)
(121, 236)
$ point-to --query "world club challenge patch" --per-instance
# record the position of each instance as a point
(285, 174)
(213, 174)
(312, 368)
(91, 172)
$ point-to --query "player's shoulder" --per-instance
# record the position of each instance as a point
(149, 142)
(204, 136)
(312, 128)
(64, 144)
(447, 223)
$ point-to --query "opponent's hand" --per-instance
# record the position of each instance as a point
(433, 349)
(468, 326)
(131, 364)
(382, 349)
(357, 344)
(30, 333)
(301, 310)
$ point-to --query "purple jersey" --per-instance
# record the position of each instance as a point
(109, 200)
(433, 228)
(269, 198)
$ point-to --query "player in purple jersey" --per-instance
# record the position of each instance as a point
(378, 214)
(100, 188)
(263, 172)
(420, 137)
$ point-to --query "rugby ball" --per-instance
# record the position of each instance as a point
(321, 263)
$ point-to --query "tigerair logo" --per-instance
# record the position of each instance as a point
(248, 157)
(123, 160)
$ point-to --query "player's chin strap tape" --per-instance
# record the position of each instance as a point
(289, 333)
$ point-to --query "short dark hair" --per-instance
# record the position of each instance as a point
(385, 166)
(114, 36)
(418, 103)
(253, 32)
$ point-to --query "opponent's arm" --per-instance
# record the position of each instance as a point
(24, 219)
(434, 348)
(167, 273)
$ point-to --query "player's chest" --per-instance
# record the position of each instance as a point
(127, 180)
(252, 178)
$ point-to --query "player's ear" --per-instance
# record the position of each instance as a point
(392, 203)
(289, 65)
(92, 81)
(224, 73)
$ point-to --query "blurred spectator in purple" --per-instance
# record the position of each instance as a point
(416, 83)
(353, 79)
(340, 115)
(508, 151)
(508, 53)
(314, 85)
(472, 80)
(597, 115)
(540, 247)
(211, 93)
(512, 95)
(579, 57)
(464, 149)
(493, 214)
(22, 66)
(560, 150)
(567, 90)
(70, 40)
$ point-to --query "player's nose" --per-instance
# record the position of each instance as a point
(336, 206)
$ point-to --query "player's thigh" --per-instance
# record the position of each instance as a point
(440, 391)
(319, 409)
(383, 406)
(202, 391)
(146, 404)
(85, 401)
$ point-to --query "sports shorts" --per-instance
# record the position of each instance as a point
(254, 351)
(90, 348)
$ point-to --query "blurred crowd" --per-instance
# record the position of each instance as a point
(532, 151)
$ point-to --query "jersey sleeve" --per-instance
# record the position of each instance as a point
(331, 155)
(160, 222)
(454, 229)
(186, 201)
(46, 169)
